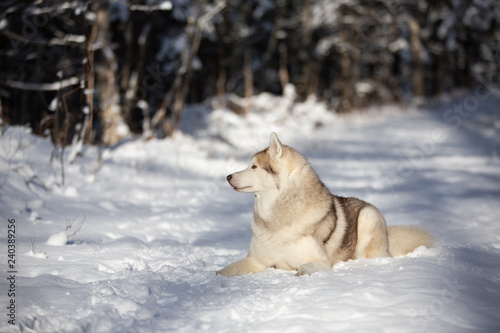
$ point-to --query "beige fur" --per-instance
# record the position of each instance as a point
(403, 239)
(372, 234)
(299, 225)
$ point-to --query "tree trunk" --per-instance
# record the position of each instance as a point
(113, 125)
(248, 79)
(416, 50)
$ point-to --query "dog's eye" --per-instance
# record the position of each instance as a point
(254, 166)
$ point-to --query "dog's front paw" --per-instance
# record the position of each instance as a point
(227, 271)
(312, 267)
(247, 265)
(232, 270)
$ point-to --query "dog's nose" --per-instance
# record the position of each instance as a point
(229, 178)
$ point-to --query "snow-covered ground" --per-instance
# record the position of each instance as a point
(159, 219)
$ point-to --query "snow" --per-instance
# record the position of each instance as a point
(160, 219)
(166, 5)
(58, 239)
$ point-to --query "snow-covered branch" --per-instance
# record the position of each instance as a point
(164, 5)
(52, 86)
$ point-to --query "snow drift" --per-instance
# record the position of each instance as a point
(160, 220)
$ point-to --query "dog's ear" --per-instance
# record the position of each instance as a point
(275, 146)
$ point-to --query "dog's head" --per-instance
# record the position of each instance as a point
(268, 169)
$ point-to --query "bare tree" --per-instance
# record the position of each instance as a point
(416, 51)
(176, 96)
(113, 125)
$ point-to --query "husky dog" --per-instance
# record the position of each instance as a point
(299, 225)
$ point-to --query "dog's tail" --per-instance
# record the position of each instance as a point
(406, 238)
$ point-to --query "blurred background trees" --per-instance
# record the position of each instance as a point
(96, 71)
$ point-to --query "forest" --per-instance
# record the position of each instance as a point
(99, 71)
(121, 119)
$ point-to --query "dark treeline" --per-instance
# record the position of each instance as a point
(97, 70)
